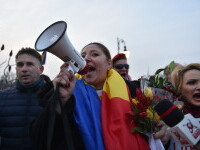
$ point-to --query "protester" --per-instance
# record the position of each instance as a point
(19, 105)
(89, 109)
(99, 101)
(119, 63)
(186, 80)
(168, 70)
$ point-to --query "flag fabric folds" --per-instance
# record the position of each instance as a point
(116, 124)
(87, 115)
(103, 123)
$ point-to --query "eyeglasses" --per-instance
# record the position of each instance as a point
(120, 66)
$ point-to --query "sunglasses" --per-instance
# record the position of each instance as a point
(120, 66)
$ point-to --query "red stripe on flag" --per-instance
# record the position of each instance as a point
(116, 126)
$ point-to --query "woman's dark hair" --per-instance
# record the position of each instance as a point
(102, 47)
(29, 51)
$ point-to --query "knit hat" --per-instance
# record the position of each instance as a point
(118, 57)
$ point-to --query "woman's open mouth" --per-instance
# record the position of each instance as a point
(196, 96)
(92, 69)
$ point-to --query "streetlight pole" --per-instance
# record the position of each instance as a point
(118, 46)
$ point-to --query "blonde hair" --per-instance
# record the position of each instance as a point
(178, 73)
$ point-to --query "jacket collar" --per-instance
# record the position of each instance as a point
(32, 87)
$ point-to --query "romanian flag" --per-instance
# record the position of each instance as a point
(44, 55)
(88, 115)
(103, 123)
(116, 125)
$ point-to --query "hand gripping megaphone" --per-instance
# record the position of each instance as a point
(55, 40)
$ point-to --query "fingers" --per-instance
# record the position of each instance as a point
(66, 81)
(160, 123)
(64, 77)
(162, 133)
(65, 65)
(161, 129)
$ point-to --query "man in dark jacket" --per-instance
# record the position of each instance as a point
(19, 105)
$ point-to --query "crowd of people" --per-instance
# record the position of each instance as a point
(77, 112)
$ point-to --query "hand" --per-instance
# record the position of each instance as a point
(66, 80)
(162, 134)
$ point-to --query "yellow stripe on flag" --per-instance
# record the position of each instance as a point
(115, 86)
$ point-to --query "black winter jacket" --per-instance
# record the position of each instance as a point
(19, 105)
(58, 132)
(51, 131)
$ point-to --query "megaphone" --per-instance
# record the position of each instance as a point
(55, 40)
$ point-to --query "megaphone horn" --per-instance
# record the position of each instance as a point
(55, 40)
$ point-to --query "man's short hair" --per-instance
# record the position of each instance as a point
(29, 51)
(118, 57)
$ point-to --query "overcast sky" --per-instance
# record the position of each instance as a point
(155, 31)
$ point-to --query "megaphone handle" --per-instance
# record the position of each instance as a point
(72, 67)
